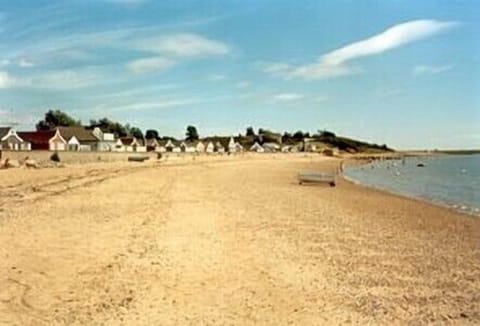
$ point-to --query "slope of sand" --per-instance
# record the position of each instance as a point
(227, 241)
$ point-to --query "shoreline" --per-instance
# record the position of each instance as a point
(438, 204)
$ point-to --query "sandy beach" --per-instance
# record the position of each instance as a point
(230, 240)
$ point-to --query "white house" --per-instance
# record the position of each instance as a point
(9, 139)
(73, 144)
(257, 148)
(219, 147)
(232, 148)
(200, 147)
(238, 147)
(57, 142)
(210, 148)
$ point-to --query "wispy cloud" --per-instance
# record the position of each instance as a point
(430, 70)
(7, 81)
(216, 77)
(288, 97)
(334, 63)
(183, 45)
(153, 105)
(154, 64)
(242, 84)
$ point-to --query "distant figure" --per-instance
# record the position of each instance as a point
(29, 163)
(341, 166)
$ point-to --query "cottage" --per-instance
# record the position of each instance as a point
(257, 148)
(106, 141)
(169, 146)
(232, 148)
(200, 147)
(219, 147)
(78, 138)
(57, 142)
(152, 144)
(133, 144)
(271, 147)
(210, 147)
(238, 147)
(10, 140)
(39, 140)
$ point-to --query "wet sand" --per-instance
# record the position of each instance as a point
(232, 240)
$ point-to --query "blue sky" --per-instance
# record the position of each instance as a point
(405, 73)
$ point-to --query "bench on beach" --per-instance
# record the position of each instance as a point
(316, 177)
(138, 158)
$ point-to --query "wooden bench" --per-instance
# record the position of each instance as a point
(316, 177)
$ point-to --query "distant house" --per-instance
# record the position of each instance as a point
(257, 148)
(106, 141)
(238, 147)
(152, 144)
(10, 140)
(57, 142)
(133, 144)
(271, 147)
(200, 147)
(232, 148)
(219, 147)
(169, 146)
(78, 138)
(39, 140)
(210, 148)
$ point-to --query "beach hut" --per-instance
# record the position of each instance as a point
(219, 147)
(169, 146)
(238, 147)
(152, 144)
(257, 148)
(200, 147)
(271, 147)
(38, 140)
(210, 147)
(232, 148)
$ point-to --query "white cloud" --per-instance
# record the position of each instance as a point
(321, 98)
(334, 63)
(183, 45)
(25, 63)
(161, 104)
(288, 97)
(153, 64)
(242, 84)
(430, 70)
(216, 77)
(6, 80)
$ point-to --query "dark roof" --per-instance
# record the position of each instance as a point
(36, 137)
(4, 131)
(81, 133)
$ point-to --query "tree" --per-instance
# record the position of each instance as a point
(107, 125)
(136, 132)
(298, 135)
(151, 134)
(326, 134)
(191, 133)
(250, 131)
(56, 118)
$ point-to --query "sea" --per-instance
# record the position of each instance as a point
(448, 180)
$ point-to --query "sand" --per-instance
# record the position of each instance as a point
(227, 241)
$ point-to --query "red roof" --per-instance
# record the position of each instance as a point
(37, 137)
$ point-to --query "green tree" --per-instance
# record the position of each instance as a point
(192, 133)
(136, 132)
(250, 131)
(56, 118)
(107, 125)
(151, 134)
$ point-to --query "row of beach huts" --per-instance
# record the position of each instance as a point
(94, 139)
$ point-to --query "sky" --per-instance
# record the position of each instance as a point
(401, 72)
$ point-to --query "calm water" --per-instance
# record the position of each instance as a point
(450, 180)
